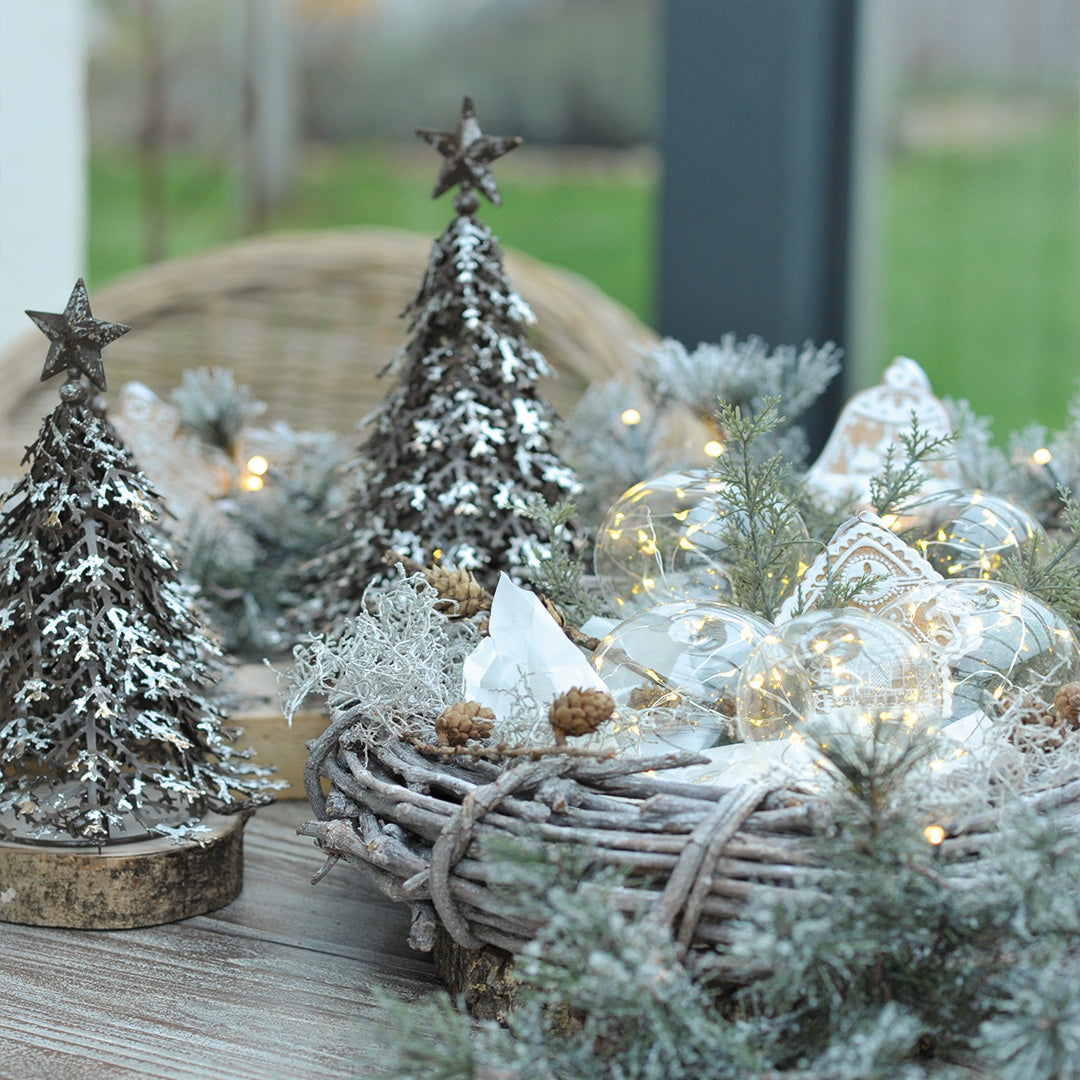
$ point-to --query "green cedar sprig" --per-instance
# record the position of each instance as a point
(762, 517)
(893, 490)
(557, 572)
(1049, 570)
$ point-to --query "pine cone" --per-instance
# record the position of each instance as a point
(1041, 726)
(553, 611)
(463, 722)
(650, 695)
(462, 596)
(578, 712)
(1067, 705)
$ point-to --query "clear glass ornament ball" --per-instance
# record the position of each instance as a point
(673, 668)
(973, 532)
(838, 671)
(992, 640)
(670, 538)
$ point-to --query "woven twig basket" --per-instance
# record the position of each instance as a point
(697, 855)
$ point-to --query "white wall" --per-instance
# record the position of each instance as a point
(42, 157)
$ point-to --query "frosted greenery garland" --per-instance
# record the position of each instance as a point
(215, 407)
(246, 553)
(887, 961)
(611, 454)
(743, 374)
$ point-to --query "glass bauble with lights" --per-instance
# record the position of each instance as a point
(839, 673)
(974, 532)
(991, 639)
(673, 668)
(670, 538)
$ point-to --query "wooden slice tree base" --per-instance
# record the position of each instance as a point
(143, 883)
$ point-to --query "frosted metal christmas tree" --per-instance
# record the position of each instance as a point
(463, 439)
(107, 732)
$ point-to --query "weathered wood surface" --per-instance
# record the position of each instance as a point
(279, 984)
(144, 883)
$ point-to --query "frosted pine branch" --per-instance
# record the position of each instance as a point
(740, 373)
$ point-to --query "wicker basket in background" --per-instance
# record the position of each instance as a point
(306, 320)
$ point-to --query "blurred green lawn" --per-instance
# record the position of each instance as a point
(596, 221)
(981, 274)
(980, 279)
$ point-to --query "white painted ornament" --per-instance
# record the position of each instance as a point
(861, 548)
(870, 423)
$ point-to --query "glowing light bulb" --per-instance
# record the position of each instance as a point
(630, 417)
(1042, 456)
(934, 834)
(258, 465)
(713, 448)
(253, 482)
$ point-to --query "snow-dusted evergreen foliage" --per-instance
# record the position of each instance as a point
(1036, 466)
(609, 454)
(743, 373)
(463, 437)
(247, 554)
(888, 959)
(106, 725)
(213, 406)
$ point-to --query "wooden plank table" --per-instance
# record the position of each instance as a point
(277, 985)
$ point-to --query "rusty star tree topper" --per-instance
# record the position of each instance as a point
(77, 338)
(468, 153)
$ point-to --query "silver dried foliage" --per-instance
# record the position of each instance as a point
(399, 661)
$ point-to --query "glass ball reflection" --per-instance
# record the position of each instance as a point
(678, 663)
(838, 671)
(991, 639)
(975, 532)
(669, 539)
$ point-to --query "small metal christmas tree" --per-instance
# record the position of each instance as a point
(106, 733)
(463, 439)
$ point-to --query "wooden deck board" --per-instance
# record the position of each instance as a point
(280, 984)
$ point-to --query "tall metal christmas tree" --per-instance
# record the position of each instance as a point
(463, 438)
(106, 731)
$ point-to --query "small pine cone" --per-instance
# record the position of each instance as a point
(463, 722)
(578, 712)
(553, 611)
(650, 695)
(1067, 705)
(726, 706)
(462, 596)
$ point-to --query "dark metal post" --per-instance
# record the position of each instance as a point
(756, 143)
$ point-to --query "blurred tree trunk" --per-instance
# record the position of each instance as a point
(152, 136)
(269, 108)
